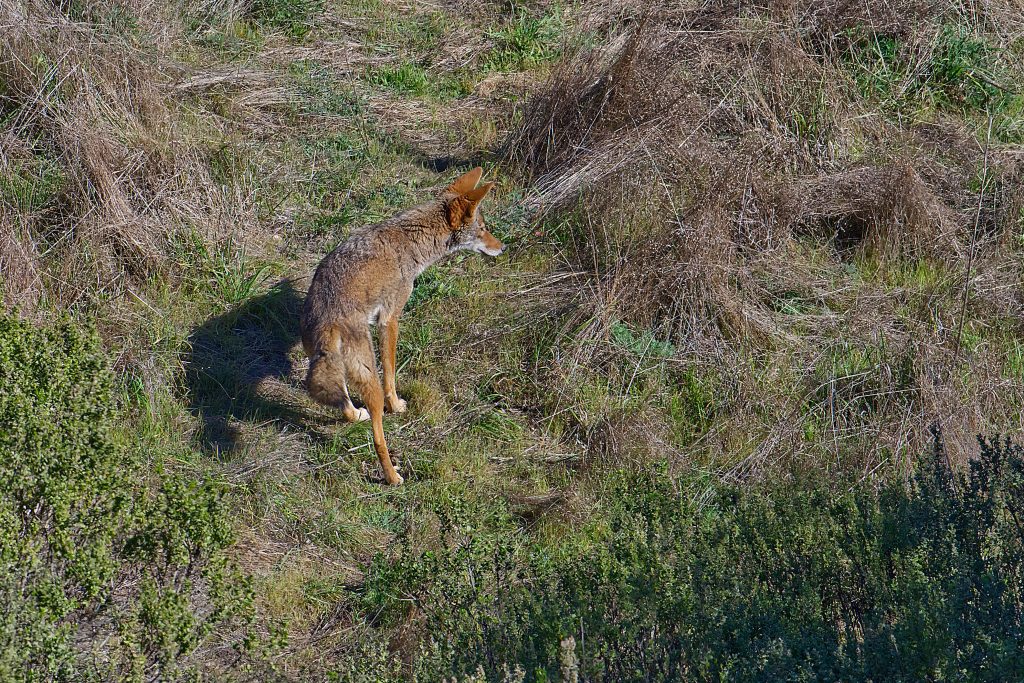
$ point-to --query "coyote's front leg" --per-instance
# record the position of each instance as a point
(388, 351)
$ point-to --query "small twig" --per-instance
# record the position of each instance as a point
(974, 239)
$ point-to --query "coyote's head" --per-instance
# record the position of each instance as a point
(462, 198)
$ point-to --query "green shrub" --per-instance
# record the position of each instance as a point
(107, 570)
(905, 583)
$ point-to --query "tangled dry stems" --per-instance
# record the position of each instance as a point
(698, 151)
(106, 113)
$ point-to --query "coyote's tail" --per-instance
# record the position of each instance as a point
(326, 377)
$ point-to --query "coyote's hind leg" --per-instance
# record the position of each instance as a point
(349, 411)
(326, 379)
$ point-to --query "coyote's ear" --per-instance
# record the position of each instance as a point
(466, 182)
(474, 196)
(461, 209)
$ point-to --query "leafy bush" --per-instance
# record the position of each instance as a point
(95, 551)
(690, 581)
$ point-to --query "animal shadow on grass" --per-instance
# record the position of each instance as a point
(446, 163)
(244, 368)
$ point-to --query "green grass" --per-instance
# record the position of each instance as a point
(33, 185)
(858, 381)
(524, 41)
(1015, 360)
(295, 17)
(692, 405)
(407, 78)
(224, 273)
(356, 176)
(321, 93)
(391, 32)
(234, 41)
(963, 74)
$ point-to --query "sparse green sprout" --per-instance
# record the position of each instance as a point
(295, 17)
(525, 41)
(643, 344)
(406, 77)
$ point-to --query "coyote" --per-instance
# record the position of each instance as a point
(366, 281)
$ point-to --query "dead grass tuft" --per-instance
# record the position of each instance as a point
(890, 210)
(709, 166)
(109, 171)
(19, 268)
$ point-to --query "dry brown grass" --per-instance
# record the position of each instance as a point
(107, 110)
(702, 150)
(97, 109)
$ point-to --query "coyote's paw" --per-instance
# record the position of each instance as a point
(376, 474)
(358, 415)
(397, 405)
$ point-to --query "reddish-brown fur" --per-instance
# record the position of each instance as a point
(368, 280)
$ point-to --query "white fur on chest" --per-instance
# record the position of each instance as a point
(373, 317)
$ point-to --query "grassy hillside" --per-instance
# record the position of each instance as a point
(763, 289)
